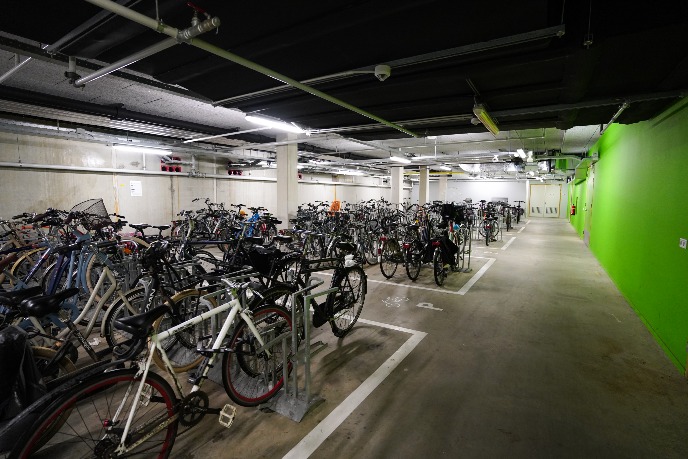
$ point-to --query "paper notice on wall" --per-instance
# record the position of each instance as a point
(136, 188)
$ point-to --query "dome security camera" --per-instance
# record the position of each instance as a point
(382, 72)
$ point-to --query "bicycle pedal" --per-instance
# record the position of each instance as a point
(227, 415)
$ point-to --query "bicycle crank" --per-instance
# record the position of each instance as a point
(193, 408)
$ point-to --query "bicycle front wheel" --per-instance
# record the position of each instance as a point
(75, 424)
(252, 372)
(346, 304)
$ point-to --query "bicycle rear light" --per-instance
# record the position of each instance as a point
(435, 243)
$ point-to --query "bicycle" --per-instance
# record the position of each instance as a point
(134, 410)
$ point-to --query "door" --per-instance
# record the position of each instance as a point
(544, 201)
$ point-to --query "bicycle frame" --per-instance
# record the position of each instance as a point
(235, 309)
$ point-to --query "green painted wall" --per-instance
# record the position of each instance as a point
(577, 195)
(639, 214)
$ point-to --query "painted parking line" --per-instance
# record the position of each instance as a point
(462, 291)
(509, 243)
(324, 429)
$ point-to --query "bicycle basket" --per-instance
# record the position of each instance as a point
(94, 214)
(263, 258)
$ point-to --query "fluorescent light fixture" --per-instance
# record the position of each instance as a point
(520, 153)
(275, 124)
(485, 118)
(142, 149)
(530, 156)
(300, 166)
(416, 158)
(399, 159)
(432, 137)
(445, 168)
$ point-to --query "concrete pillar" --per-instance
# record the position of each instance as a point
(442, 190)
(424, 186)
(287, 180)
(397, 185)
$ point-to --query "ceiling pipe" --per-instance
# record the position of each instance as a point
(172, 32)
(618, 113)
(182, 36)
(200, 139)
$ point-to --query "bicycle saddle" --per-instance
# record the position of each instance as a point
(162, 227)
(14, 298)
(140, 226)
(140, 324)
(40, 306)
(282, 239)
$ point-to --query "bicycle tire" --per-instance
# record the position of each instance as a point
(130, 304)
(414, 258)
(181, 347)
(388, 258)
(438, 267)
(251, 378)
(21, 268)
(73, 424)
(135, 245)
(370, 250)
(345, 305)
(43, 355)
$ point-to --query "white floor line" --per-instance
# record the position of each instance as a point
(324, 429)
(527, 222)
(519, 231)
(513, 238)
(462, 291)
(481, 272)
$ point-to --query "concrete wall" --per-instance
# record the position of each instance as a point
(108, 173)
(458, 190)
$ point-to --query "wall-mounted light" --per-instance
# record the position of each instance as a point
(275, 124)
(142, 149)
(481, 113)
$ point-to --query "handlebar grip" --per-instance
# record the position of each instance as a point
(39, 217)
(105, 244)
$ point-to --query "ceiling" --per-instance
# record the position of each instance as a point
(550, 73)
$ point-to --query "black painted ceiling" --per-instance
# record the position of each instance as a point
(610, 52)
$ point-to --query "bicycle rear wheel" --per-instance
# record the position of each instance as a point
(414, 258)
(181, 347)
(345, 305)
(251, 373)
(438, 267)
(389, 258)
(73, 425)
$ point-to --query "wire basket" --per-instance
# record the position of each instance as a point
(93, 214)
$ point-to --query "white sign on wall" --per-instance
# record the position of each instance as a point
(136, 187)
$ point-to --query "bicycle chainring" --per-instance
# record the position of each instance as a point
(193, 407)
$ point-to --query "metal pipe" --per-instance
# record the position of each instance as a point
(183, 35)
(618, 113)
(153, 49)
(14, 69)
(171, 31)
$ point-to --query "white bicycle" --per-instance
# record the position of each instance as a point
(135, 411)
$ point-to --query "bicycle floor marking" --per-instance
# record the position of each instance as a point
(324, 429)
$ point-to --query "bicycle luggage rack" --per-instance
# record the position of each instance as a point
(291, 401)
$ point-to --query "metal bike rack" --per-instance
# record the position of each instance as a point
(291, 401)
(468, 269)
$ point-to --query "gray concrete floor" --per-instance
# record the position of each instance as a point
(542, 357)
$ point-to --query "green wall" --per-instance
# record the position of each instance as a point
(640, 210)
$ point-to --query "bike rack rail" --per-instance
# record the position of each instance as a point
(292, 401)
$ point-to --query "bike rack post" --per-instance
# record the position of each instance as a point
(468, 269)
(291, 402)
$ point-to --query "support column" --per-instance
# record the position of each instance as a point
(442, 192)
(287, 180)
(424, 186)
(397, 185)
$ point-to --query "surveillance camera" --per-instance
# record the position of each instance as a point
(382, 72)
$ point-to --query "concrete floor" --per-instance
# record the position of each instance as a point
(542, 357)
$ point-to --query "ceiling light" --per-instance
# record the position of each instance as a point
(520, 153)
(432, 137)
(142, 149)
(485, 118)
(399, 159)
(530, 156)
(445, 168)
(275, 124)
(495, 159)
